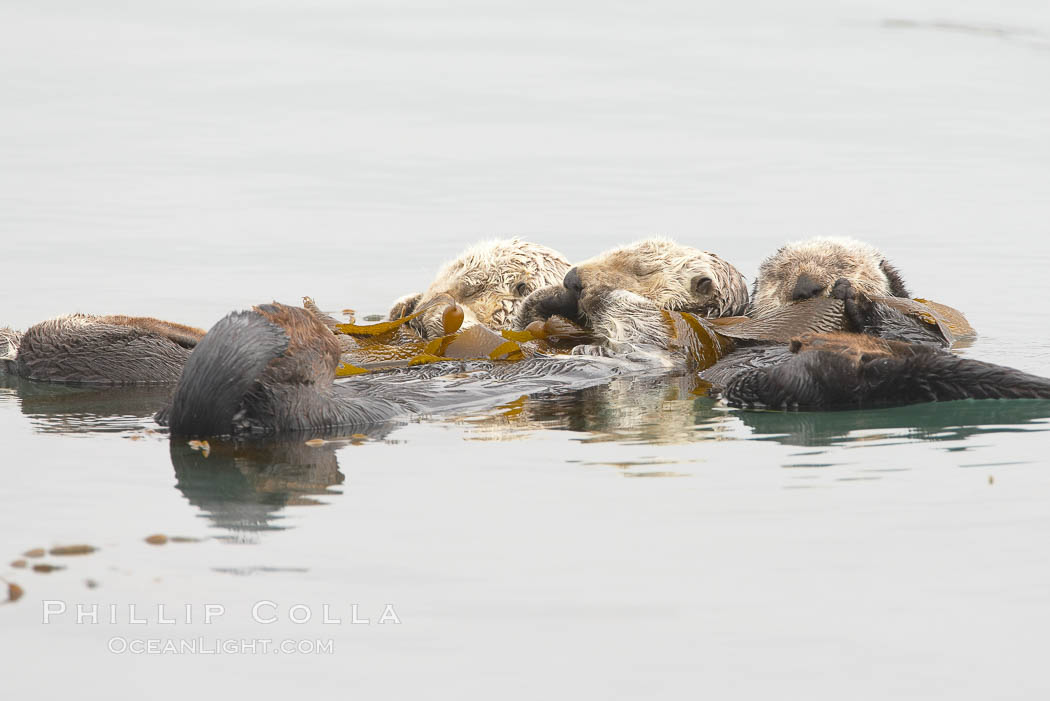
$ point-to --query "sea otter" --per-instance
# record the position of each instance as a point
(889, 354)
(489, 280)
(100, 349)
(872, 289)
(271, 369)
(619, 294)
(859, 371)
(808, 269)
(822, 285)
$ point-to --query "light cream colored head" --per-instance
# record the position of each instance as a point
(489, 280)
(807, 269)
(670, 275)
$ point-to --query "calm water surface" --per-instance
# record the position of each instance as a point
(633, 540)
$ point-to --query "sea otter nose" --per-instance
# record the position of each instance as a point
(806, 288)
(572, 282)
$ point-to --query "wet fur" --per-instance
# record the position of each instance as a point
(857, 371)
(114, 349)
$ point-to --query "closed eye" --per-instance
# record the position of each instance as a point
(468, 291)
(521, 289)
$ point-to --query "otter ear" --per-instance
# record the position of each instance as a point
(701, 285)
(893, 276)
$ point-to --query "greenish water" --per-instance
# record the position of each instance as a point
(185, 159)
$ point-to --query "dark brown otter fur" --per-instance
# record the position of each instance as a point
(112, 349)
(857, 371)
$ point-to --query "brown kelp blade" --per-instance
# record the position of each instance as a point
(383, 327)
(476, 342)
(702, 344)
(820, 315)
(480, 342)
(948, 320)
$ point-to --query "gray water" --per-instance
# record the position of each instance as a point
(183, 159)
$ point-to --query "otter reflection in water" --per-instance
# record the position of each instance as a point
(941, 421)
(243, 488)
(56, 408)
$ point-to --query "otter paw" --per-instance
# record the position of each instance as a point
(544, 303)
(593, 351)
(403, 306)
(858, 307)
(594, 299)
(842, 289)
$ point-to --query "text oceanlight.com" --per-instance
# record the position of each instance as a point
(217, 646)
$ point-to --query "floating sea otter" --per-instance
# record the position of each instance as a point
(271, 369)
(849, 370)
(488, 281)
(619, 295)
(777, 357)
(894, 355)
(808, 269)
(100, 349)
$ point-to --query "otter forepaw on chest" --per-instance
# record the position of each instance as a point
(592, 351)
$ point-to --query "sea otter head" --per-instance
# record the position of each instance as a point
(616, 293)
(810, 268)
(489, 280)
(669, 275)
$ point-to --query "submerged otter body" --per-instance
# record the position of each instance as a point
(89, 349)
(858, 371)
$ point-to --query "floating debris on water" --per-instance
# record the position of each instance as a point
(73, 550)
(202, 446)
(14, 593)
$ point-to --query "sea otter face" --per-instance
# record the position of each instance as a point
(618, 294)
(669, 275)
(808, 269)
(489, 280)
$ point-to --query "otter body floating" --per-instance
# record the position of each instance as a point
(104, 350)
(854, 371)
